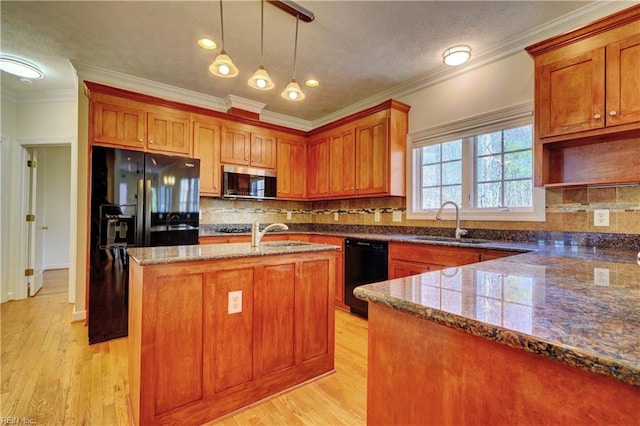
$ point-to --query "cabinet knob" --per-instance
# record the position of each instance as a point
(597, 116)
(140, 140)
(613, 113)
(150, 141)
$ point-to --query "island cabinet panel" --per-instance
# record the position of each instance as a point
(178, 341)
(423, 373)
(339, 266)
(192, 360)
(277, 302)
(230, 356)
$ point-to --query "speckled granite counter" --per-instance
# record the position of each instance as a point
(574, 304)
(173, 254)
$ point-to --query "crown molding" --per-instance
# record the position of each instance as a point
(39, 97)
(233, 101)
(285, 120)
(481, 58)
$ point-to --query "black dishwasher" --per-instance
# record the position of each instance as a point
(365, 262)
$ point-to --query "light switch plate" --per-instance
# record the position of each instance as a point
(288, 215)
(397, 216)
(376, 216)
(601, 217)
(336, 216)
(235, 302)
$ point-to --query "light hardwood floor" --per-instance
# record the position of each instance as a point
(52, 376)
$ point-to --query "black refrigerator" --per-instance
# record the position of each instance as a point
(137, 200)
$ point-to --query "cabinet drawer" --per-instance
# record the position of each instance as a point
(435, 255)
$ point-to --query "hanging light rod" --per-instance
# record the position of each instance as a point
(293, 9)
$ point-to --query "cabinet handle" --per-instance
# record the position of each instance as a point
(597, 116)
(613, 113)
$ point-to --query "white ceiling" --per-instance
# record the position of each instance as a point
(357, 49)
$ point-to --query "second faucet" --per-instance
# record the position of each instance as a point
(256, 234)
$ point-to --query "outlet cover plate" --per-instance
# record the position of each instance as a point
(601, 217)
(601, 276)
(235, 302)
(376, 216)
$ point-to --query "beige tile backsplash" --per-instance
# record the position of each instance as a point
(568, 210)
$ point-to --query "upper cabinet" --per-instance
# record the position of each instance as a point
(361, 155)
(292, 168)
(587, 103)
(125, 123)
(245, 147)
(206, 142)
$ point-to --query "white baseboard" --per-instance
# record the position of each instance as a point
(57, 266)
(78, 315)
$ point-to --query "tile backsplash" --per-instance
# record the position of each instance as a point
(568, 210)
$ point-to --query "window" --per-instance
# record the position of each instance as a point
(487, 169)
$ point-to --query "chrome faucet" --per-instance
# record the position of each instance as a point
(256, 234)
(459, 232)
(170, 217)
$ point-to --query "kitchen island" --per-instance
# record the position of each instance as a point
(214, 328)
(551, 336)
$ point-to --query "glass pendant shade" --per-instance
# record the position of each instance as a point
(223, 66)
(293, 92)
(261, 80)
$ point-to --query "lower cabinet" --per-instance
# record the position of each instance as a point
(207, 338)
(339, 280)
(407, 259)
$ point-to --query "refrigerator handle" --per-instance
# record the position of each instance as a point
(140, 214)
(147, 213)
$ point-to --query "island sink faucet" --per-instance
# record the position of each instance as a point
(459, 232)
(256, 234)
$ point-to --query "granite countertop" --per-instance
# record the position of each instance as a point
(574, 304)
(193, 253)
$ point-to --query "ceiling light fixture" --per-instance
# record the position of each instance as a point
(312, 82)
(207, 43)
(223, 66)
(260, 79)
(293, 91)
(456, 55)
(20, 68)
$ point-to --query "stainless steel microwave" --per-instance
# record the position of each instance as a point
(246, 182)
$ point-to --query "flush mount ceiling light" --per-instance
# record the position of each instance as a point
(293, 91)
(456, 55)
(260, 79)
(223, 66)
(20, 68)
(312, 82)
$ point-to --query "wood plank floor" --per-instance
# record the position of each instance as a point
(52, 376)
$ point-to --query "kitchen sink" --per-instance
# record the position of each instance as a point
(450, 239)
(284, 244)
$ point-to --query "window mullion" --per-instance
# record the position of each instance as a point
(468, 173)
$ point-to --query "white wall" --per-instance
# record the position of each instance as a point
(494, 86)
(54, 168)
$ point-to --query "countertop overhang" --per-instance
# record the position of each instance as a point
(195, 253)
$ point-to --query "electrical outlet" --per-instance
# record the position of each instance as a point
(601, 276)
(235, 302)
(336, 216)
(288, 215)
(397, 216)
(601, 217)
(376, 216)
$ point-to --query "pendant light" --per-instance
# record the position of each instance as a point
(260, 79)
(293, 92)
(223, 66)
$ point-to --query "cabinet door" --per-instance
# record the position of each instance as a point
(571, 94)
(372, 158)
(119, 125)
(292, 169)
(401, 269)
(206, 144)
(623, 82)
(168, 132)
(339, 286)
(342, 173)
(318, 171)
(234, 146)
(263, 151)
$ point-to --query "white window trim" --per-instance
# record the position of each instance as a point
(483, 123)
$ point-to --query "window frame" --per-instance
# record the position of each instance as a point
(510, 117)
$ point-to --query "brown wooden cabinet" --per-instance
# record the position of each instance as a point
(342, 158)
(339, 283)
(587, 103)
(318, 168)
(365, 154)
(125, 123)
(243, 146)
(192, 361)
(206, 143)
(292, 168)
(263, 150)
(411, 259)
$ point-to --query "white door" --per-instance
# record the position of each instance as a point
(36, 230)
